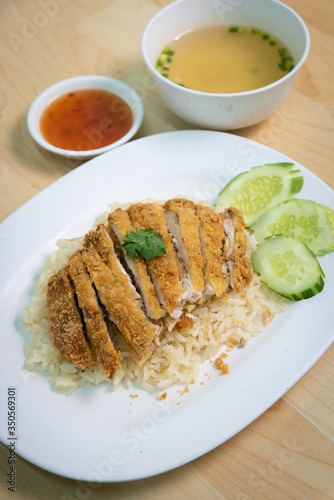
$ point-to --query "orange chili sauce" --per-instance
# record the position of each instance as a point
(86, 119)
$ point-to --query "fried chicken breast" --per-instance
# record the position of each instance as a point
(65, 322)
(103, 302)
(119, 226)
(100, 240)
(184, 226)
(213, 239)
(100, 343)
(237, 263)
(162, 270)
(122, 309)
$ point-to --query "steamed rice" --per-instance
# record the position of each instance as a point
(176, 356)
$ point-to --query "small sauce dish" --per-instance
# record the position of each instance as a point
(89, 147)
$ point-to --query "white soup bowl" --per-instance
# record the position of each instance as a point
(225, 111)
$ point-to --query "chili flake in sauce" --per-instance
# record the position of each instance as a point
(86, 119)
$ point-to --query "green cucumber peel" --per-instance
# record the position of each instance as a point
(288, 267)
(261, 188)
(307, 221)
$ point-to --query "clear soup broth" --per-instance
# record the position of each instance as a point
(223, 59)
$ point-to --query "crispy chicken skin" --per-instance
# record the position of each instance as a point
(235, 250)
(184, 224)
(119, 226)
(65, 322)
(213, 238)
(101, 346)
(131, 321)
(94, 309)
(99, 239)
(163, 270)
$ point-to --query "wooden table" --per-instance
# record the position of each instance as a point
(287, 452)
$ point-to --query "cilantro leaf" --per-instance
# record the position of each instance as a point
(145, 242)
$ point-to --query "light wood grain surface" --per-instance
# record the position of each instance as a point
(288, 451)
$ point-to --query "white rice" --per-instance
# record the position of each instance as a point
(176, 356)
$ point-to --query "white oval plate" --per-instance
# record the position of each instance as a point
(92, 435)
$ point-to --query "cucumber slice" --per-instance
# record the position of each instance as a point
(288, 267)
(261, 188)
(305, 220)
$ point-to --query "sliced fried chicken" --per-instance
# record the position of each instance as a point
(120, 225)
(184, 225)
(65, 322)
(163, 270)
(238, 265)
(101, 345)
(99, 239)
(93, 297)
(130, 320)
(213, 237)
